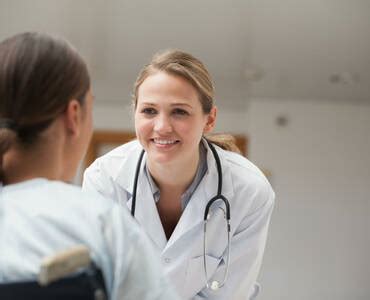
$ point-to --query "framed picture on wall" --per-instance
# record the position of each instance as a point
(103, 141)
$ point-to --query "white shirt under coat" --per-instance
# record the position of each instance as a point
(251, 200)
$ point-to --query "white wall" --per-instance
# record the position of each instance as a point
(319, 241)
(319, 236)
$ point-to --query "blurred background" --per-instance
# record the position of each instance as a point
(292, 76)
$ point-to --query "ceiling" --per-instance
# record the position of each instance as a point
(290, 49)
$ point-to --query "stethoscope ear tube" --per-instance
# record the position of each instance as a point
(136, 179)
(218, 165)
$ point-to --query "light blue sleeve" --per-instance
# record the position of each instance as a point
(97, 181)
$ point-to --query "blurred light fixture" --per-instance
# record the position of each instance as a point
(282, 120)
(253, 73)
(344, 78)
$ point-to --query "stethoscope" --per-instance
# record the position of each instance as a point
(214, 285)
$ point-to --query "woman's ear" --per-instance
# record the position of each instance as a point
(211, 120)
(72, 117)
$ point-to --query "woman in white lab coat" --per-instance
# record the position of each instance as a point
(45, 127)
(174, 111)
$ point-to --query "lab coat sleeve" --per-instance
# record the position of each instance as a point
(247, 248)
(136, 272)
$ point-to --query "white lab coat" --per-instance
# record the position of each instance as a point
(251, 200)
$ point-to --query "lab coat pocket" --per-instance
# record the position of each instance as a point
(195, 274)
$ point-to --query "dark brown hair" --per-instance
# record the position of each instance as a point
(190, 68)
(39, 75)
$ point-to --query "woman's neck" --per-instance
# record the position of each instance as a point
(176, 176)
(20, 164)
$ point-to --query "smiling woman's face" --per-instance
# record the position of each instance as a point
(169, 119)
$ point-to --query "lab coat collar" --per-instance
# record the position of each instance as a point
(146, 213)
(126, 175)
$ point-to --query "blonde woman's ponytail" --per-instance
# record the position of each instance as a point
(225, 141)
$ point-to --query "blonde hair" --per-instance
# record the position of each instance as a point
(179, 63)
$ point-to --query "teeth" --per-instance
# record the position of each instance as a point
(164, 142)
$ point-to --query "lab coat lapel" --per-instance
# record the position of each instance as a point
(146, 212)
(193, 215)
(125, 177)
(191, 218)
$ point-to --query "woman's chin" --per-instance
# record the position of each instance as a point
(162, 156)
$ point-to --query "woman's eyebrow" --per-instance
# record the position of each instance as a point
(181, 104)
(148, 103)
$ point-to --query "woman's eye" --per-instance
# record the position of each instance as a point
(180, 112)
(149, 111)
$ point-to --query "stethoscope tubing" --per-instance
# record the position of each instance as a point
(136, 179)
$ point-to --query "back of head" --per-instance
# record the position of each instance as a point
(39, 75)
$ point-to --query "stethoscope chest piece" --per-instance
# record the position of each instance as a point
(215, 285)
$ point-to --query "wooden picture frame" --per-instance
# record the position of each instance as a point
(101, 138)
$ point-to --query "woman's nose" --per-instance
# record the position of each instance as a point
(162, 124)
